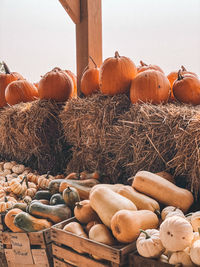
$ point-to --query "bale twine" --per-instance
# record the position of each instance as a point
(31, 133)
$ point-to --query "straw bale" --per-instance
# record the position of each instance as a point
(117, 138)
(31, 133)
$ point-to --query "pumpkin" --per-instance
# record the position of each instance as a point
(176, 233)
(106, 203)
(150, 86)
(143, 66)
(84, 212)
(195, 252)
(44, 180)
(116, 74)
(9, 220)
(162, 190)
(20, 91)
(181, 258)
(9, 165)
(33, 177)
(70, 196)
(195, 221)
(172, 76)
(18, 186)
(126, 224)
(171, 211)
(43, 194)
(102, 234)
(57, 85)
(5, 79)
(186, 89)
(149, 244)
(87, 175)
(90, 224)
(90, 80)
(18, 168)
(74, 80)
(6, 204)
(29, 223)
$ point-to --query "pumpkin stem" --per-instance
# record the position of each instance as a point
(142, 63)
(183, 68)
(180, 77)
(130, 179)
(23, 179)
(146, 234)
(199, 230)
(78, 205)
(6, 178)
(47, 175)
(189, 214)
(6, 199)
(26, 179)
(6, 68)
(117, 54)
(93, 61)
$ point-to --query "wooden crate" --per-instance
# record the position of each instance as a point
(65, 243)
(28, 249)
(135, 260)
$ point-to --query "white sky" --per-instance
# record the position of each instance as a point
(37, 35)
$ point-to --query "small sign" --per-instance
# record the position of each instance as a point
(21, 248)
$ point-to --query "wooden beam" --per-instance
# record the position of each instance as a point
(72, 7)
(86, 14)
(88, 36)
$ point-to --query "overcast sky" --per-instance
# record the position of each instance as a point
(37, 35)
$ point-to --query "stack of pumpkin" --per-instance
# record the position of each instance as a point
(116, 214)
(147, 83)
(56, 84)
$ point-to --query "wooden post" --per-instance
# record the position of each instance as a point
(86, 14)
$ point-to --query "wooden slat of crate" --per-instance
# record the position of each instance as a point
(59, 263)
(75, 258)
(136, 260)
(117, 254)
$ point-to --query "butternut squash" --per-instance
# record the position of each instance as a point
(126, 224)
(83, 187)
(77, 229)
(102, 234)
(107, 202)
(141, 201)
(29, 223)
(162, 190)
(55, 213)
(84, 213)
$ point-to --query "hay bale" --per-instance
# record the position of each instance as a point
(187, 158)
(86, 122)
(31, 133)
(119, 139)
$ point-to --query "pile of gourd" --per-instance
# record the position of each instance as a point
(116, 214)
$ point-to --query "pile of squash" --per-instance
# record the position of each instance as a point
(151, 212)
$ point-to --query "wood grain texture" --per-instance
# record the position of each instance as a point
(72, 7)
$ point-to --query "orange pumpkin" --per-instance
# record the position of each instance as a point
(20, 91)
(74, 80)
(5, 79)
(116, 74)
(186, 89)
(150, 86)
(143, 66)
(173, 75)
(90, 80)
(9, 220)
(57, 85)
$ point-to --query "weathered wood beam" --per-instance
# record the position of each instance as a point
(72, 7)
(88, 33)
